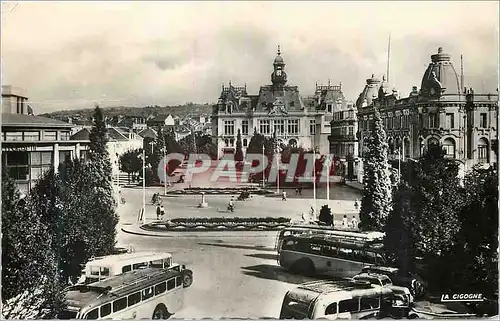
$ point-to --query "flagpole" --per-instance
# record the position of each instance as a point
(314, 181)
(143, 184)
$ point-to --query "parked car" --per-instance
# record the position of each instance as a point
(412, 281)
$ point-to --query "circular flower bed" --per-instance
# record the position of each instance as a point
(220, 223)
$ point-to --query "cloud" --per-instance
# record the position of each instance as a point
(72, 55)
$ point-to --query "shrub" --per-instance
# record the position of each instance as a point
(325, 215)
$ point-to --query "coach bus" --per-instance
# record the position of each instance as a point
(150, 293)
(320, 254)
(325, 230)
(102, 267)
(343, 300)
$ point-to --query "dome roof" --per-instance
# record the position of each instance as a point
(369, 92)
(279, 60)
(440, 76)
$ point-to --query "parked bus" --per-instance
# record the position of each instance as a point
(319, 254)
(102, 267)
(150, 293)
(354, 236)
(342, 300)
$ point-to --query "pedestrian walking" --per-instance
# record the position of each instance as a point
(283, 198)
(296, 191)
(345, 221)
(356, 205)
(354, 222)
(162, 212)
(158, 212)
(300, 190)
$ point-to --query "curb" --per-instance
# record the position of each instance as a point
(197, 235)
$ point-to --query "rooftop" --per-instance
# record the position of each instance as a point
(21, 120)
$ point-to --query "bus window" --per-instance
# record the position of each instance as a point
(160, 288)
(368, 303)
(147, 293)
(94, 270)
(105, 310)
(92, 315)
(350, 305)
(170, 284)
(91, 280)
(157, 264)
(139, 265)
(119, 304)
(126, 268)
(331, 309)
(134, 298)
(315, 249)
(168, 262)
(289, 245)
(104, 271)
(178, 281)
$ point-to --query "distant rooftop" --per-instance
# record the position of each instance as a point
(20, 120)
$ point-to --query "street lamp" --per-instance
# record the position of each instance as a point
(314, 178)
(278, 166)
(165, 166)
(264, 165)
(143, 210)
(328, 166)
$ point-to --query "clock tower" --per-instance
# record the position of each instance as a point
(278, 77)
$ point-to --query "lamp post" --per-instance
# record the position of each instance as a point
(165, 166)
(328, 164)
(143, 184)
(278, 167)
(314, 179)
(264, 165)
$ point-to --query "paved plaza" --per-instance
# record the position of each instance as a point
(235, 273)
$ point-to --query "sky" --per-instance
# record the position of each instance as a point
(73, 55)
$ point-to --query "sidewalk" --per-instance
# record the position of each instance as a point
(355, 185)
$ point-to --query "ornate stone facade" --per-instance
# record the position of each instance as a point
(441, 112)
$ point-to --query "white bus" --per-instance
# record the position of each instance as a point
(150, 293)
(341, 300)
(102, 267)
(322, 255)
(355, 236)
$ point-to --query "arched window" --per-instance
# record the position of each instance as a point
(231, 141)
(449, 147)
(432, 141)
(245, 142)
(482, 150)
(226, 142)
(407, 147)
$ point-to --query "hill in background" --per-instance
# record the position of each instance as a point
(180, 110)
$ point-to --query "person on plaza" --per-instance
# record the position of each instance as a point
(162, 212)
(356, 204)
(313, 214)
(345, 221)
(354, 222)
(158, 212)
(283, 198)
(296, 191)
(300, 190)
(231, 205)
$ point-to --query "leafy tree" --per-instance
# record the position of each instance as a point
(377, 198)
(238, 156)
(29, 270)
(130, 162)
(477, 239)
(325, 215)
(206, 146)
(398, 241)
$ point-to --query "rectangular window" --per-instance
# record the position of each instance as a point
(170, 284)
(13, 136)
(397, 122)
(264, 126)
(450, 121)
(119, 304)
(433, 121)
(126, 268)
(178, 281)
(50, 136)
(244, 127)
(351, 130)
(329, 107)
(483, 118)
(482, 151)
(229, 127)
(104, 271)
(350, 305)
(134, 298)
(147, 293)
(105, 310)
(31, 136)
(331, 309)
(368, 303)
(351, 113)
(421, 121)
(391, 120)
(160, 288)
(64, 156)
(312, 126)
(449, 151)
(139, 265)
(293, 126)
(279, 126)
(94, 270)
(64, 135)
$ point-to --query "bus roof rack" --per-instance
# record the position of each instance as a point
(88, 288)
(363, 284)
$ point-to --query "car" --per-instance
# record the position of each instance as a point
(373, 278)
(412, 281)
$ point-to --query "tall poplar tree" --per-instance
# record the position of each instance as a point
(376, 202)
